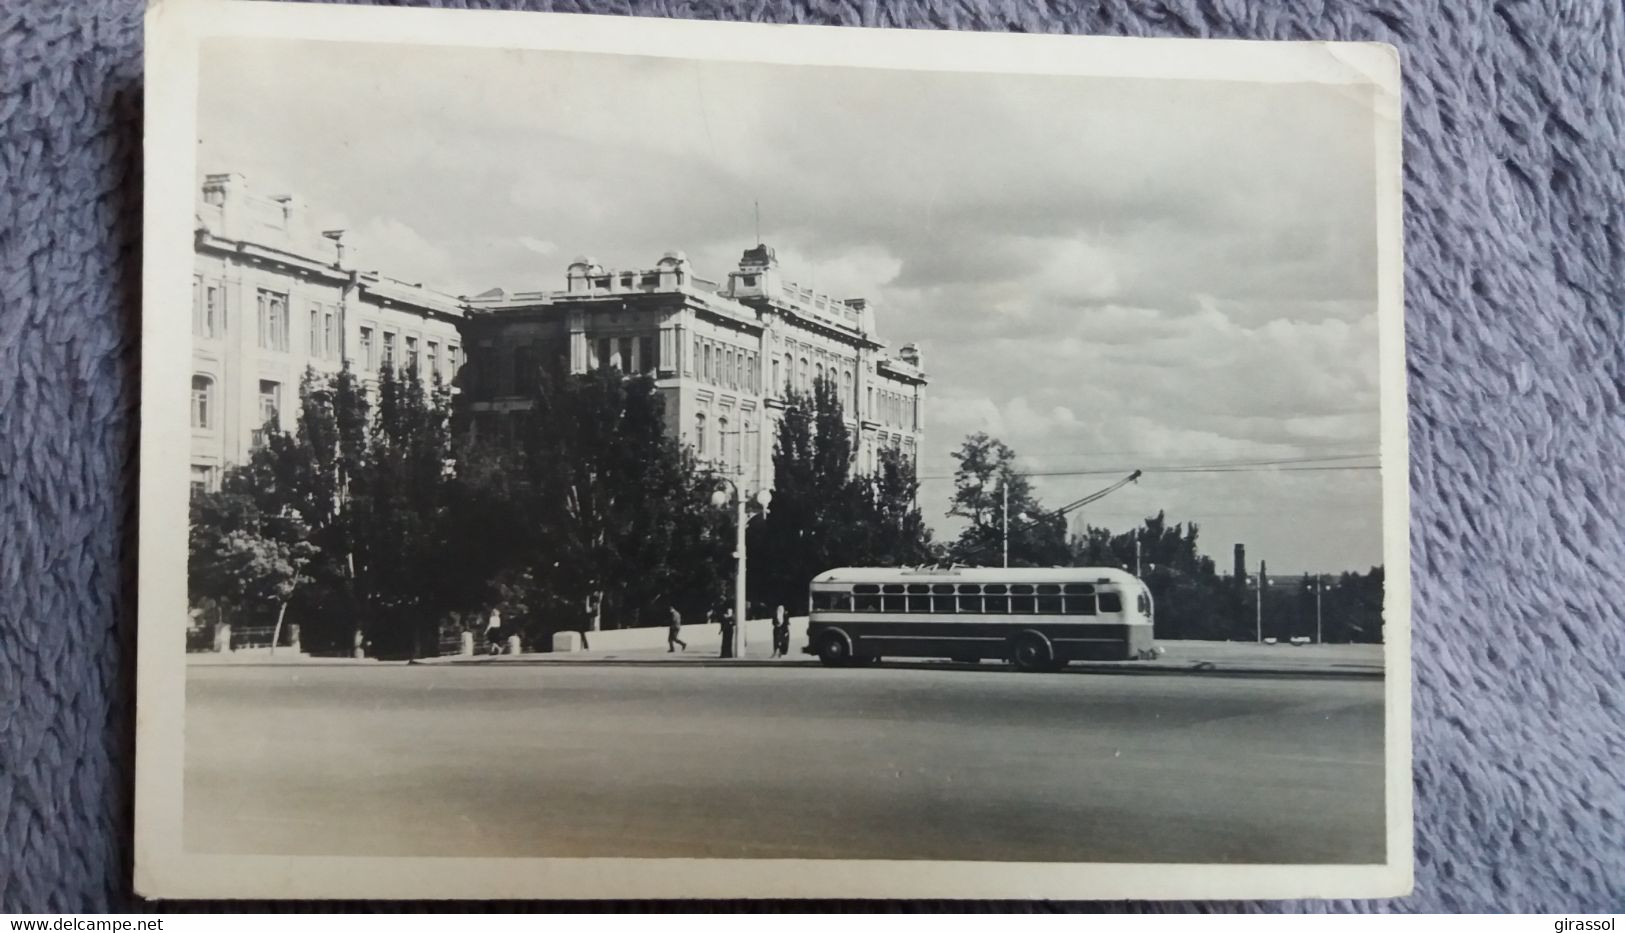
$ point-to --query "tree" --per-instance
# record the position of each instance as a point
(823, 515)
(986, 476)
(898, 533)
(621, 515)
(241, 560)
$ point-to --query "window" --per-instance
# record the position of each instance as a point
(789, 372)
(919, 599)
(846, 386)
(434, 360)
(1021, 598)
(724, 442)
(1049, 598)
(706, 372)
(273, 321)
(197, 305)
(270, 410)
(451, 361)
(213, 312)
(865, 599)
(330, 334)
(994, 598)
(942, 598)
(412, 356)
(202, 402)
(1111, 602)
(648, 359)
(389, 350)
(649, 280)
(603, 353)
(804, 375)
(316, 331)
(626, 281)
(369, 359)
(625, 354)
(699, 432)
(201, 478)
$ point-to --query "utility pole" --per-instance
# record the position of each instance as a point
(1004, 512)
(1136, 552)
(1319, 585)
(1259, 620)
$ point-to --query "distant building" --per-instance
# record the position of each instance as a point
(724, 356)
(272, 296)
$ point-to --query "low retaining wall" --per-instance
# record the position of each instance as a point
(758, 638)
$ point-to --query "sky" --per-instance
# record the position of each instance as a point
(1106, 274)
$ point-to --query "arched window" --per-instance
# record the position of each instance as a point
(724, 441)
(806, 376)
(202, 402)
(699, 433)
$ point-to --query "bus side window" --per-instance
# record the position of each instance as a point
(1111, 602)
(1080, 599)
(1049, 598)
(994, 599)
(1021, 598)
(894, 603)
(943, 600)
(865, 598)
(970, 599)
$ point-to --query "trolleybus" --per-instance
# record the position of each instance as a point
(1035, 618)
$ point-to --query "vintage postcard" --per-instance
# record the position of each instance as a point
(600, 457)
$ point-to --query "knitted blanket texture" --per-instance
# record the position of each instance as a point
(1514, 133)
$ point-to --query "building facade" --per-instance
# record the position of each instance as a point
(725, 355)
(271, 297)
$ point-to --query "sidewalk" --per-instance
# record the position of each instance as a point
(1200, 658)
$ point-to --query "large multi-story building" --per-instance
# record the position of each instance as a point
(272, 296)
(724, 356)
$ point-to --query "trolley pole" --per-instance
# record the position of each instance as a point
(1004, 513)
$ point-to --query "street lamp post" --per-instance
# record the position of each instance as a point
(1259, 608)
(720, 498)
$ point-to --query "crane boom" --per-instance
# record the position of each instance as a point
(1099, 494)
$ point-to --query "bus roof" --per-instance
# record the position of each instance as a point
(977, 575)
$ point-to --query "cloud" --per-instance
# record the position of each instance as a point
(1166, 270)
(539, 247)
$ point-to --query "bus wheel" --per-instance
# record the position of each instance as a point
(834, 648)
(1031, 651)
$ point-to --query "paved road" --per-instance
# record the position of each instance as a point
(789, 762)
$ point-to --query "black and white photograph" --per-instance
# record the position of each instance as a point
(630, 459)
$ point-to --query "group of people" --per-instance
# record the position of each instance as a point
(725, 619)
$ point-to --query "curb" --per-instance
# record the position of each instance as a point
(1126, 668)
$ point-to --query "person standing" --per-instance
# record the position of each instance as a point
(674, 632)
(781, 632)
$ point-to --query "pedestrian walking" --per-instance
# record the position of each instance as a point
(674, 632)
(781, 632)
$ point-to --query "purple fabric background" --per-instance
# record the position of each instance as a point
(1514, 197)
